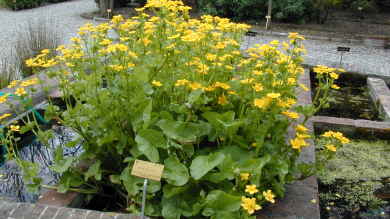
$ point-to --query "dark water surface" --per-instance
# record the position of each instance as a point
(11, 180)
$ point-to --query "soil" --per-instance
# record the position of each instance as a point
(342, 24)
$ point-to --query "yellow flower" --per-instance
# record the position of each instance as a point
(269, 196)
(20, 91)
(303, 136)
(257, 87)
(222, 100)
(292, 115)
(14, 128)
(244, 176)
(291, 81)
(297, 143)
(211, 57)
(105, 42)
(334, 75)
(304, 87)
(274, 43)
(195, 86)
(45, 51)
(334, 86)
(222, 85)
(232, 92)
(261, 103)
(3, 98)
(247, 81)
(181, 82)
(13, 84)
(249, 204)
(117, 67)
(337, 135)
(294, 36)
(301, 128)
(273, 95)
(146, 41)
(251, 189)
(254, 144)
(257, 72)
(5, 116)
(156, 83)
(331, 147)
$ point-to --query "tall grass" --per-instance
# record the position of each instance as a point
(36, 35)
(8, 71)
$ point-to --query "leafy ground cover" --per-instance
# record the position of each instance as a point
(355, 184)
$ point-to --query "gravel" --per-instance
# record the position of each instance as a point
(362, 59)
(66, 15)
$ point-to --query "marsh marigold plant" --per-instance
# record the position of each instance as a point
(169, 89)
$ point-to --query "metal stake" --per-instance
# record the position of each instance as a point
(341, 58)
(144, 199)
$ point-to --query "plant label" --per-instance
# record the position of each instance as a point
(343, 49)
(147, 170)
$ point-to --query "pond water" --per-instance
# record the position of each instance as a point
(352, 100)
(11, 180)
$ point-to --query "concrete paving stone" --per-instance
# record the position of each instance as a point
(50, 212)
(24, 210)
(64, 213)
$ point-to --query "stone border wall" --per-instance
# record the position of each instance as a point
(13, 210)
(380, 93)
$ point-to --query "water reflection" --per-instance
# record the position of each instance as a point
(11, 180)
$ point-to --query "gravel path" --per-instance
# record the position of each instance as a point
(362, 59)
(66, 15)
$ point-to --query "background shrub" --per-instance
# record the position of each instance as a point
(291, 10)
(22, 4)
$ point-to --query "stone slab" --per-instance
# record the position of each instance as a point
(380, 93)
(298, 201)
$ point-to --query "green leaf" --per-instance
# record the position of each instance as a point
(194, 96)
(201, 165)
(184, 132)
(94, 171)
(115, 179)
(132, 184)
(170, 190)
(147, 114)
(147, 142)
(62, 165)
(153, 186)
(174, 207)
(218, 201)
(175, 172)
(255, 166)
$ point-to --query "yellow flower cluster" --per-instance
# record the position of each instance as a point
(249, 204)
(14, 128)
(336, 135)
(41, 60)
(301, 134)
(5, 115)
